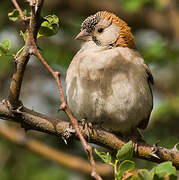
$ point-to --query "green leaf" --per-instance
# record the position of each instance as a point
(126, 152)
(106, 157)
(4, 48)
(49, 27)
(25, 12)
(6, 44)
(14, 15)
(144, 174)
(152, 172)
(124, 166)
(164, 168)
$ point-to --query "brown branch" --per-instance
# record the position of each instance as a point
(74, 122)
(30, 119)
(22, 60)
(53, 154)
(17, 78)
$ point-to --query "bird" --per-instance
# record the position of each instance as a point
(108, 82)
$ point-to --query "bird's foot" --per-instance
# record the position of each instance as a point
(89, 127)
(136, 137)
(135, 143)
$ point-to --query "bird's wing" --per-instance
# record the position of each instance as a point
(149, 73)
(143, 124)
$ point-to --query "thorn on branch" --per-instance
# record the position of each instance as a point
(175, 147)
(154, 155)
(65, 140)
(155, 149)
(62, 107)
(68, 133)
(57, 74)
(18, 110)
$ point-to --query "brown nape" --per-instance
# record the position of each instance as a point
(126, 39)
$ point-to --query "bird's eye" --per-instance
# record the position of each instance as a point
(100, 30)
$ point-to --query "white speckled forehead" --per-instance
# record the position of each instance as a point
(90, 22)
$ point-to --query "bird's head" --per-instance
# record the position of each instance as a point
(106, 29)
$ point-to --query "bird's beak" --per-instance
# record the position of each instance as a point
(83, 35)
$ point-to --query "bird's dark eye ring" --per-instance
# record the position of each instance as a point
(100, 30)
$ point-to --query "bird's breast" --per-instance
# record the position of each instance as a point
(101, 87)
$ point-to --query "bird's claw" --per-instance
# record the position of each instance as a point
(89, 127)
(19, 109)
(153, 154)
(136, 138)
(86, 126)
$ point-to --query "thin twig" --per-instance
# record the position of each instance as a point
(74, 122)
(62, 158)
(19, 9)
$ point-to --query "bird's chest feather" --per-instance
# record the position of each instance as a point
(89, 84)
(104, 86)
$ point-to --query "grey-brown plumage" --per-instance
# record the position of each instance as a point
(108, 81)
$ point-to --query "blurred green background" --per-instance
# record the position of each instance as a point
(155, 24)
